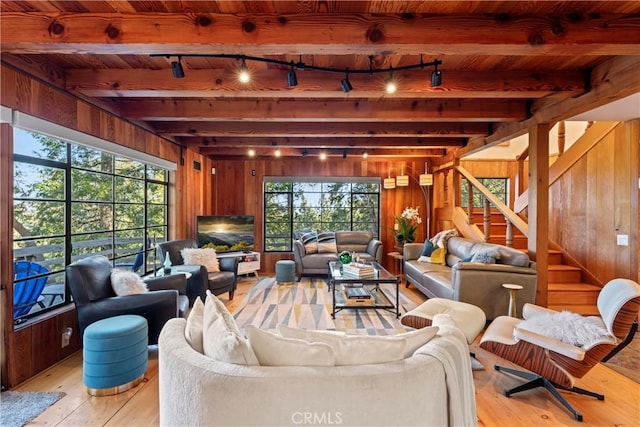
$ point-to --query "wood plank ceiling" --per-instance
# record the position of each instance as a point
(504, 66)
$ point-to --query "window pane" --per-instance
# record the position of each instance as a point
(278, 200)
(48, 252)
(37, 182)
(89, 158)
(129, 190)
(88, 217)
(91, 186)
(156, 214)
(129, 167)
(35, 218)
(129, 216)
(39, 146)
(156, 193)
(156, 174)
(92, 244)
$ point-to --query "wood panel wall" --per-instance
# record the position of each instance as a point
(598, 199)
(237, 190)
(37, 345)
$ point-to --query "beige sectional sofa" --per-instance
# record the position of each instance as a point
(315, 261)
(475, 283)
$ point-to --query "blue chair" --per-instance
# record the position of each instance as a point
(27, 291)
(137, 262)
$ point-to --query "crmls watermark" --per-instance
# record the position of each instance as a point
(317, 418)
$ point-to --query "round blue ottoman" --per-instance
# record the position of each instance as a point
(115, 354)
(285, 271)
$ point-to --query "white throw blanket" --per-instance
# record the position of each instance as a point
(453, 352)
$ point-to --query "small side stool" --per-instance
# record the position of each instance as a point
(285, 271)
(115, 354)
(469, 318)
(512, 288)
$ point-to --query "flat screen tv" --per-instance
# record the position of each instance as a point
(226, 233)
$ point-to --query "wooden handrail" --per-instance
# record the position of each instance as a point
(509, 215)
(586, 142)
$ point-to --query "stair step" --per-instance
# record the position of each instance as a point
(499, 228)
(519, 242)
(555, 256)
(559, 273)
(584, 309)
(572, 293)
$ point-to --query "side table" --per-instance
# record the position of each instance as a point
(512, 288)
(399, 267)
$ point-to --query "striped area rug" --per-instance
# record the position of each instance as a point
(307, 305)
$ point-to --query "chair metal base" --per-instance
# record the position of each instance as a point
(536, 380)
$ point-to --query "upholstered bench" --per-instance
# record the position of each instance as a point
(468, 318)
(115, 354)
(285, 271)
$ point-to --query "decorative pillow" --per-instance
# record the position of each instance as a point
(126, 282)
(193, 330)
(298, 234)
(327, 242)
(486, 256)
(353, 349)
(221, 338)
(428, 248)
(274, 350)
(201, 256)
(439, 256)
(440, 240)
(310, 242)
(466, 259)
(568, 327)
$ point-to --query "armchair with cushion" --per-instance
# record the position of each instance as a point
(560, 347)
(202, 279)
(90, 282)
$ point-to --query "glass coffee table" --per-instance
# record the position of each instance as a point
(339, 285)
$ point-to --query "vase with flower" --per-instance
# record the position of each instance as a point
(406, 225)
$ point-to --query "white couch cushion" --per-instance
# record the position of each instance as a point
(193, 330)
(274, 350)
(201, 256)
(354, 349)
(221, 338)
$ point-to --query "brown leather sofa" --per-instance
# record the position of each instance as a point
(473, 282)
(361, 242)
(201, 280)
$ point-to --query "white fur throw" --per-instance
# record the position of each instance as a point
(125, 282)
(201, 256)
(568, 327)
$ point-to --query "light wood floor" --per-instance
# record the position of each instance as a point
(139, 406)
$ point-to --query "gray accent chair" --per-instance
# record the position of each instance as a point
(89, 280)
(218, 283)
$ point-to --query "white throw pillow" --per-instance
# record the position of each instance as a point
(201, 256)
(353, 349)
(274, 350)
(193, 330)
(221, 339)
(125, 282)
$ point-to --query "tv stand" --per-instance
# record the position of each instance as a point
(249, 261)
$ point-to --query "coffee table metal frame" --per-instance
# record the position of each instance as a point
(382, 276)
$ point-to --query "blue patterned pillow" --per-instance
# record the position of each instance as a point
(428, 248)
(310, 242)
(486, 256)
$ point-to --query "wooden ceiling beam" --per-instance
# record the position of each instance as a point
(326, 129)
(217, 153)
(451, 110)
(220, 83)
(364, 34)
(345, 143)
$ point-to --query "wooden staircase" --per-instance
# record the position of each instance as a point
(566, 290)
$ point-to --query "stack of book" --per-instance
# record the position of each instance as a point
(358, 271)
(357, 295)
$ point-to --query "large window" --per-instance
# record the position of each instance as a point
(328, 204)
(497, 186)
(72, 201)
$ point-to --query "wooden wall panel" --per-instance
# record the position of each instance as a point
(38, 345)
(598, 199)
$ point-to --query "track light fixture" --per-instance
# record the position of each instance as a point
(390, 86)
(244, 75)
(436, 77)
(323, 156)
(251, 152)
(292, 79)
(344, 154)
(365, 154)
(176, 69)
(345, 84)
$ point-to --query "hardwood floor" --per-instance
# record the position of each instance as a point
(139, 406)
